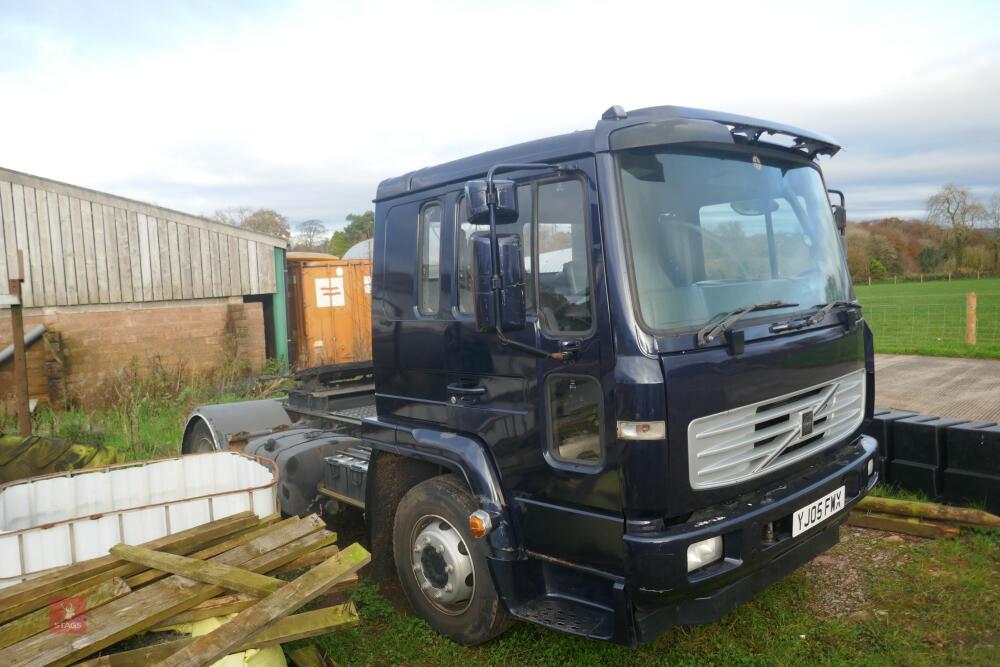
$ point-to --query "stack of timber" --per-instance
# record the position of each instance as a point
(228, 566)
(917, 518)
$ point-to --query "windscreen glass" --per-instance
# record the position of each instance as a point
(714, 231)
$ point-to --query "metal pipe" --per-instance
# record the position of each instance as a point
(30, 338)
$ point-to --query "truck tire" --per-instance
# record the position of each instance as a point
(199, 439)
(441, 567)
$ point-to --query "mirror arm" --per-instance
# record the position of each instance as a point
(496, 281)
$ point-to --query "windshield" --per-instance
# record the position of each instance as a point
(711, 232)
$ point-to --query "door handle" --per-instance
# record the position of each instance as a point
(465, 393)
(466, 390)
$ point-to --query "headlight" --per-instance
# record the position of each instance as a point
(703, 553)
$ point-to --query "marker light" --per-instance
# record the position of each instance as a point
(480, 523)
(642, 430)
(871, 467)
(703, 553)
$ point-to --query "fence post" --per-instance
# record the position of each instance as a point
(970, 318)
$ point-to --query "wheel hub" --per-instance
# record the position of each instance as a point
(442, 565)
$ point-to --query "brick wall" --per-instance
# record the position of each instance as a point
(96, 341)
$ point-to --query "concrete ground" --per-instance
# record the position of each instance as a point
(941, 386)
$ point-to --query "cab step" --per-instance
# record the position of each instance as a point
(568, 615)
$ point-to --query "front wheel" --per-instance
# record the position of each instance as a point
(441, 567)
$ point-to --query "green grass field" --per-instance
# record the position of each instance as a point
(929, 318)
(874, 599)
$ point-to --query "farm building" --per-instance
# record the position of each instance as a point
(113, 279)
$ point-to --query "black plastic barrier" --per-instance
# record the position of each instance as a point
(952, 459)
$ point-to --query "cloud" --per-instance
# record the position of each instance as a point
(305, 108)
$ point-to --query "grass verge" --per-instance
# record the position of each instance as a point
(874, 599)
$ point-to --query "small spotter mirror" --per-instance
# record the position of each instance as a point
(479, 210)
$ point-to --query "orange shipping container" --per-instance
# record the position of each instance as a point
(330, 304)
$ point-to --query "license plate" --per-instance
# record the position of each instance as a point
(816, 512)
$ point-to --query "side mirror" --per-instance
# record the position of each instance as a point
(478, 202)
(840, 219)
(839, 212)
(512, 277)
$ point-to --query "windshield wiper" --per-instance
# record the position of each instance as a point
(712, 330)
(815, 317)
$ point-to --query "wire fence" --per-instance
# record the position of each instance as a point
(942, 328)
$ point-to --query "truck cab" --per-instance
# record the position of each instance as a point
(619, 376)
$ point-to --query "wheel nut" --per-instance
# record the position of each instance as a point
(437, 594)
(449, 588)
(449, 569)
(416, 568)
(440, 549)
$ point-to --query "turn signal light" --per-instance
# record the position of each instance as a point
(656, 430)
(480, 524)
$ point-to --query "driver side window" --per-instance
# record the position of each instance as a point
(562, 255)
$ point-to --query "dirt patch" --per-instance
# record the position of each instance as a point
(842, 579)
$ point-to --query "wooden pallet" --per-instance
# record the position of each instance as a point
(224, 567)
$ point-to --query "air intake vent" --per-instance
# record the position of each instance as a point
(739, 444)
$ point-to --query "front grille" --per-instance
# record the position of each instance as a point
(752, 440)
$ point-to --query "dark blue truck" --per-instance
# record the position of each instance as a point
(619, 378)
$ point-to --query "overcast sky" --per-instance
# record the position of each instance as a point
(304, 107)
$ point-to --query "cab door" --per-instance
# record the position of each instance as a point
(549, 423)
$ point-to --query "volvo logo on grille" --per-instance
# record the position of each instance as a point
(806, 427)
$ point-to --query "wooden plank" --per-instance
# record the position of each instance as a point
(904, 525)
(265, 526)
(79, 252)
(175, 260)
(206, 262)
(156, 275)
(146, 607)
(111, 253)
(40, 619)
(43, 248)
(8, 234)
(205, 571)
(163, 235)
(309, 560)
(291, 628)
(124, 255)
(34, 593)
(101, 254)
(229, 637)
(21, 239)
(244, 267)
(265, 255)
(220, 606)
(145, 265)
(184, 245)
(58, 256)
(224, 279)
(135, 255)
(932, 511)
(197, 284)
(216, 263)
(33, 255)
(68, 250)
(89, 256)
(235, 271)
(253, 268)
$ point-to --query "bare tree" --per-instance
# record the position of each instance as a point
(310, 235)
(263, 220)
(956, 208)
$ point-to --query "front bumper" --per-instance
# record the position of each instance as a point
(662, 593)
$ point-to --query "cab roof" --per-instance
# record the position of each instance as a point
(618, 129)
